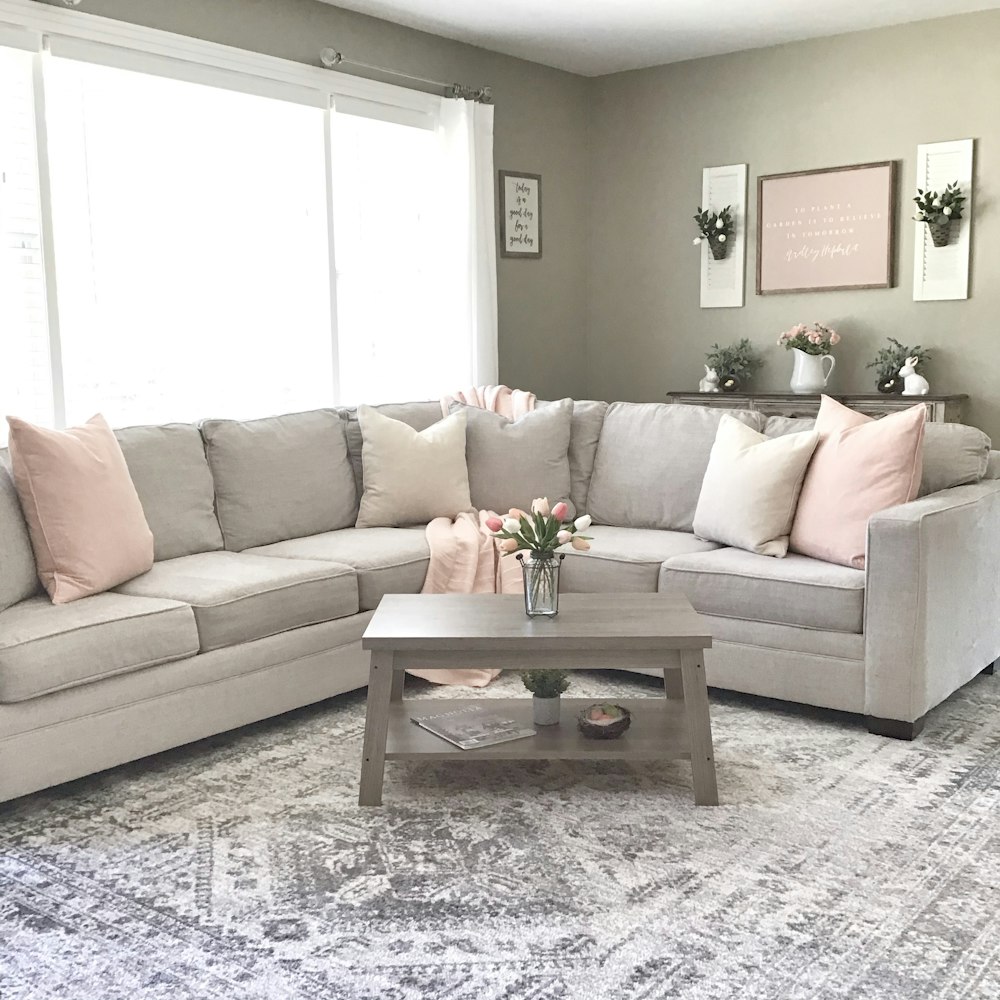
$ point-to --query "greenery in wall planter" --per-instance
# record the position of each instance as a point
(888, 361)
(716, 229)
(939, 210)
(736, 364)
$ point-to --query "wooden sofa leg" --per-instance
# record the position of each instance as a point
(990, 670)
(895, 729)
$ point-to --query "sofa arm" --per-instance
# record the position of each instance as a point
(932, 599)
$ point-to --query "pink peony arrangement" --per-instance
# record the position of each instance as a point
(541, 531)
(814, 338)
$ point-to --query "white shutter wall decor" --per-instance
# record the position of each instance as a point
(723, 281)
(943, 272)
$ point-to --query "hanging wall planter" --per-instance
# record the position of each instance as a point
(716, 230)
(940, 233)
(939, 210)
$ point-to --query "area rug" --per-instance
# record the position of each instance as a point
(840, 865)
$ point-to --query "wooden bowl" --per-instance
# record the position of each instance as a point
(606, 730)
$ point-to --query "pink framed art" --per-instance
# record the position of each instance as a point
(823, 230)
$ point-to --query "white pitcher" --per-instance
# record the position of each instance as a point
(808, 375)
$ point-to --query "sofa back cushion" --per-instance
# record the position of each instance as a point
(650, 463)
(419, 416)
(171, 475)
(588, 420)
(954, 454)
(511, 462)
(280, 477)
(18, 576)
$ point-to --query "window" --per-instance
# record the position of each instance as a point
(397, 330)
(237, 236)
(25, 370)
(190, 238)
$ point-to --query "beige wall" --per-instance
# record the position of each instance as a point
(849, 99)
(541, 121)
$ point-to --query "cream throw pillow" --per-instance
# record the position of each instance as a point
(411, 476)
(751, 487)
(85, 519)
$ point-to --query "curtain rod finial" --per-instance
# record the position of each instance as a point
(328, 57)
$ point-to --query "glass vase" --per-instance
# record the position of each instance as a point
(541, 583)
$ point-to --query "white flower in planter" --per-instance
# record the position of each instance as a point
(946, 210)
(936, 203)
(719, 224)
(696, 241)
(722, 237)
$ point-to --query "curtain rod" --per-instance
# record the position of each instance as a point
(332, 59)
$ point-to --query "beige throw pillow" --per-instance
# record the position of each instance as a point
(751, 487)
(411, 476)
(84, 517)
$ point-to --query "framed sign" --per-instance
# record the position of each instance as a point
(820, 230)
(520, 214)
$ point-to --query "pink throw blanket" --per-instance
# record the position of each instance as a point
(464, 555)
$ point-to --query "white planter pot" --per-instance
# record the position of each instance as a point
(808, 374)
(545, 711)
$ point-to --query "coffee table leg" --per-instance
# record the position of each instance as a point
(380, 680)
(398, 679)
(706, 792)
(673, 685)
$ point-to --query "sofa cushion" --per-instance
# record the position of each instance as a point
(18, 576)
(87, 527)
(280, 477)
(238, 597)
(511, 462)
(954, 454)
(419, 416)
(795, 590)
(412, 476)
(171, 475)
(588, 419)
(46, 647)
(650, 463)
(386, 560)
(624, 560)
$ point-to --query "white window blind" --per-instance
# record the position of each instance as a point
(190, 237)
(25, 371)
(400, 335)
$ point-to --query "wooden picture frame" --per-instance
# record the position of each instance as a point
(520, 214)
(827, 230)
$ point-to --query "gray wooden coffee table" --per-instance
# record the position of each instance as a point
(592, 631)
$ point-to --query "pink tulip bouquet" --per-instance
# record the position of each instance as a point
(812, 338)
(542, 531)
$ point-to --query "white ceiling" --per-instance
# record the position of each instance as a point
(593, 37)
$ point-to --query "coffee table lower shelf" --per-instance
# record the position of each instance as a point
(659, 731)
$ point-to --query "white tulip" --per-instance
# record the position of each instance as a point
(511, 524)
(936, 202)
(946, 210)
(722, 237)
(719, 224)
(582, 523)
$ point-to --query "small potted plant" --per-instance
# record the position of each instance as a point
(889, 360)
(716, 229)
(545, 686)
(939, 210)
(735, 364)
(541, 532)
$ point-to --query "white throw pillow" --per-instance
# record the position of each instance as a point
(411, 476)
(751, 487)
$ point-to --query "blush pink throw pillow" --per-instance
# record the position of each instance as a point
(861, 466)
(84, 516)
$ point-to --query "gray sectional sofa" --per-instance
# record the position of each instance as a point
(262, 587)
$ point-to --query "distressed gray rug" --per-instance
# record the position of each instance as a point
(841, 865)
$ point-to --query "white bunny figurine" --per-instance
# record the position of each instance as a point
(710, 383)
(913, 384)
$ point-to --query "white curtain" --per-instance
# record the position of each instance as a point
(467, 130)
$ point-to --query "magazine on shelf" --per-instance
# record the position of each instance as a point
(472, 728)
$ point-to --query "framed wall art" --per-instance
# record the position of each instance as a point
(821, 230)
(520, 214)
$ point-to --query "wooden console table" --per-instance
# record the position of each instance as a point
(940, 409)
